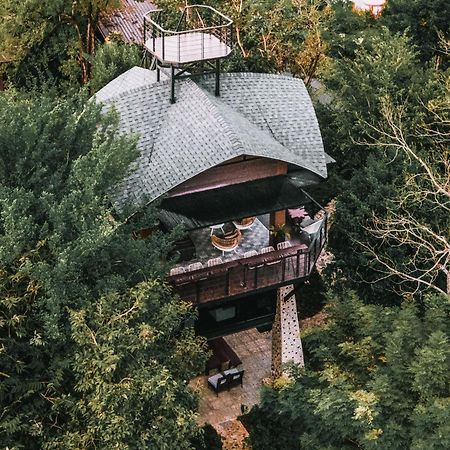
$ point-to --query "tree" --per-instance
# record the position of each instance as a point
(426, 22)
(95, 350)
(55, 37)
(110, 61)
(419, 218)
(376, 377)
(370, 177)
(272, 36)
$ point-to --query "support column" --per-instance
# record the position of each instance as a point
(217, 89)
(172, 84)
(278, 218)
(286, 342)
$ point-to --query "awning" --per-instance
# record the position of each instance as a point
(201, 209)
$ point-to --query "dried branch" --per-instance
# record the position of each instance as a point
(426, 185)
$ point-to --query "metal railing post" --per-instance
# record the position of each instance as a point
(203, 45)
(197, 292)
(227, 282)
(163, 46)
(172, 84)
(145, 26)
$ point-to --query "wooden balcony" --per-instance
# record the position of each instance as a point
(240, 277)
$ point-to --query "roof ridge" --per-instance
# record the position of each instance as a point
(253, 75)
(236, 143)
(227, 125)
(255, 128)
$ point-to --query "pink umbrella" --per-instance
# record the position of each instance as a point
(298, 213)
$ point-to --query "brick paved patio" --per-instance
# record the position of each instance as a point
(255, 351)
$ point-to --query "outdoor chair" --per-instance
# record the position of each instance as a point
(235, 377)
(228, 243)
(283, 245)
(250, 253)
(217, 227)
(218, 382)
(244, 224)
(194, 266)
(214, 262)
(177, 271)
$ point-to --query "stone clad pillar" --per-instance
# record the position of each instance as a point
(286, 342)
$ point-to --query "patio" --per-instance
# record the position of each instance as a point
(253, 238)
(255, 351)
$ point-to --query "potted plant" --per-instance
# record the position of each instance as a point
(278, 233)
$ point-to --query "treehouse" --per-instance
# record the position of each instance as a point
(231, 166)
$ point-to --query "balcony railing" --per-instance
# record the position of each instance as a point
(242, 276)
(202, 33)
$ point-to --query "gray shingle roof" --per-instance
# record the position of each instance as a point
(129, 80)
(257, 114)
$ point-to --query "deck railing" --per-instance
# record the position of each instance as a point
(200, 19)
(243, 276)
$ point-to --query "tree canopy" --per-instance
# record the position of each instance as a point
(95, 350)
(377, 93)
(376, 377)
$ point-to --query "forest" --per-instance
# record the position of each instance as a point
(95, 349)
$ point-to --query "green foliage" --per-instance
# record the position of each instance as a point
(344, 29)
(95, 351)
(49, 40)
(382, 380)
(426, 22)
(382, 65)
(111, 60)
(208, 440)
(381, 83)
(269, 35)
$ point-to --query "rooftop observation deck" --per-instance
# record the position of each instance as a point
(202, 34)
(241, 274)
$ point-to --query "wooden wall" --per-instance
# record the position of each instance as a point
(237, 170)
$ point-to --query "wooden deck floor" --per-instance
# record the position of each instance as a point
(187, 47)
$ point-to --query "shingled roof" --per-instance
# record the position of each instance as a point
(262, 115)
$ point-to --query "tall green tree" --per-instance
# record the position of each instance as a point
(95, 351)
(371, 174)
(426, 22)
(376, 378)
(52, 38)
(111, 60)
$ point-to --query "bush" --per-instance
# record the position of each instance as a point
(111, 60)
